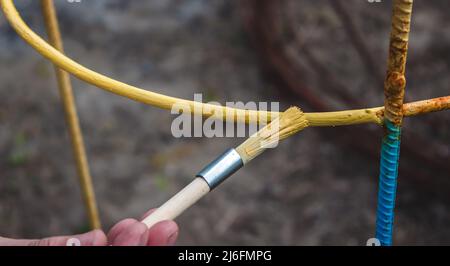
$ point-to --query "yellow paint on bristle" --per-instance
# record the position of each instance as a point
(287, 124)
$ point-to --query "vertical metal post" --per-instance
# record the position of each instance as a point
(394, 91)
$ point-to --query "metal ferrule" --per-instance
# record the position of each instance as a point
(221, 168)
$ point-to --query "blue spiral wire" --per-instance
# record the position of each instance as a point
(390, 153)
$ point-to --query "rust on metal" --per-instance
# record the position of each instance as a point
(395, 82)
(426, 106)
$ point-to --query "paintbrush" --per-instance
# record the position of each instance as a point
(286, 124)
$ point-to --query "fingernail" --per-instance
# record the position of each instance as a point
(172, 238)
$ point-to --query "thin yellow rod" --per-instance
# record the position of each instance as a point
(65, 90)
(339, 118)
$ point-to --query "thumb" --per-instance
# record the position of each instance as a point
(92, 238)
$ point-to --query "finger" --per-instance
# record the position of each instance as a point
(14, 242)
(118, 228)
(164, 233)
(135, 234)
(92, 238)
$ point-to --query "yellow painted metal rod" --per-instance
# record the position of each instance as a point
(338, 118)
(65, 89)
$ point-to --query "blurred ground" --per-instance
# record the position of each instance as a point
(309, 191)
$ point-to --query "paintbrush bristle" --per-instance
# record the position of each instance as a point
(285, 125)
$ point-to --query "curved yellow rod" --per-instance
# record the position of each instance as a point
(339, 118)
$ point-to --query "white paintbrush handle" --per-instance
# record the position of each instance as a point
(179, 203)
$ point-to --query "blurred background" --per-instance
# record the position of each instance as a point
(317, 188)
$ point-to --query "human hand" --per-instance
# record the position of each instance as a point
(128, 232)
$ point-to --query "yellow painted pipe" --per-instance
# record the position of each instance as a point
(338, 118)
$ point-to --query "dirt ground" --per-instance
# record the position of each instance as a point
(309, 191)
